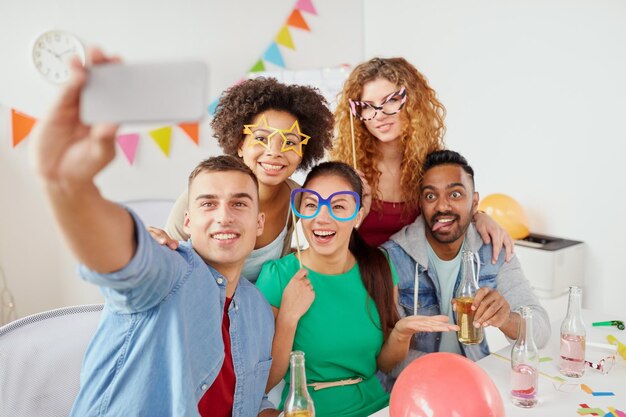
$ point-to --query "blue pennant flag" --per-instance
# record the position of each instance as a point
(273, 55)
(213, 106)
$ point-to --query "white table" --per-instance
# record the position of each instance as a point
(551, 401)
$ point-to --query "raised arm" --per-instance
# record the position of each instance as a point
(67, 156)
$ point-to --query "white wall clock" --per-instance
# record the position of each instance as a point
(51, 53)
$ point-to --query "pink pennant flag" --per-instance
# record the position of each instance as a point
(129, 143)
(306, 6)
(162, 137)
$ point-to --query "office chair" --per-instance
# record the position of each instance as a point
(40, 360)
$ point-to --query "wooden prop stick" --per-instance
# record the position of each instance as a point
(293, 220)
(353, 144)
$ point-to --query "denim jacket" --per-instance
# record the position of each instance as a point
(407, 250)
(159, 346)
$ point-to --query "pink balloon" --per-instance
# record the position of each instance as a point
(444, 384)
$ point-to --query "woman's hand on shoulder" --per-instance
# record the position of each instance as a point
(297, 296)
(491, 232)
(408, 326)
(162, 237)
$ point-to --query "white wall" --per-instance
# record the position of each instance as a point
(230, 36)
(535, 93)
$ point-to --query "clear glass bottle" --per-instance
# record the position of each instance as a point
(525, 363)
(464, 296)
(572, 362)
(298, 402)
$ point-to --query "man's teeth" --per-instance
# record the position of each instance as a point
(444, 220)
(271, 167)
(323, 233)
(224, 236)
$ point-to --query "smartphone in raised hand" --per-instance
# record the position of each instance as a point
(145, 92)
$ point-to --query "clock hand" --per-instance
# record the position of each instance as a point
(51, 52)
(65, 52)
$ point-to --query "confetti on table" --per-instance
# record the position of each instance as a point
(615, 413)
(602, 394)
(586, 406)
(586, 389)
(586, 411)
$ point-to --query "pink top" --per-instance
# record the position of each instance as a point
(379, 225)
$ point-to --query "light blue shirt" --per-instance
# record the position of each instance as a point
(159, 346)
(447, 271)
(270, 252)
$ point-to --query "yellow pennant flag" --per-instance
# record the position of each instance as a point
(284, 38)
(163, 138)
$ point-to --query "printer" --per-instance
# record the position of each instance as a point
(551, 264)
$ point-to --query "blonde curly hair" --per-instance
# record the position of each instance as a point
(422, 119)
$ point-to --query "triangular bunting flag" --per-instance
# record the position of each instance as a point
(191, 129)
(258, 67)
(272, 54)
(305, 6)
(163, 138)
(284, 38)
(296, 20)
(22, 125)
(128, 143)
(213, 106)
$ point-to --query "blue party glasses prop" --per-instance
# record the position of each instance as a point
(343, 206)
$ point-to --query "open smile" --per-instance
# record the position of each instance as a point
(324, 236)
(225, 237)
(271, 168)
(443, 224)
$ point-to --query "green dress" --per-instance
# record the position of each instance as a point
(339, 334)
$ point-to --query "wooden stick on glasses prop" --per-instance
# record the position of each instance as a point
(352, 110)
(293, 220)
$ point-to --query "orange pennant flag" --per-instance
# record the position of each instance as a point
(191, 129)
(284, 38)
(22, 125)
(162, 137)
(297, 20)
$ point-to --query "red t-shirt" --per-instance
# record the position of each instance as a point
(218, 400)
(385, 219)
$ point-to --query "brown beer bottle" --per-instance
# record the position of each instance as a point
(464, 296)
(298, 402)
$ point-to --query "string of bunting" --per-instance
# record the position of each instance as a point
(272, 53)
(22, 123)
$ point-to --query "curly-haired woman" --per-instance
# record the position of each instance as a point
(398, 120)
(276, 129)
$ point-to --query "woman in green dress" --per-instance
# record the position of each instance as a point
(336, 302)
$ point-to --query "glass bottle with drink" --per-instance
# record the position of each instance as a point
(464, 297)
(525, 363)
(573, 334)
(298, 402)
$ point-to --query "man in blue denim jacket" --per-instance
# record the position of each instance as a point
(426, 255)
(160, 346)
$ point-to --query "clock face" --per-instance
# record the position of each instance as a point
(51, 54)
